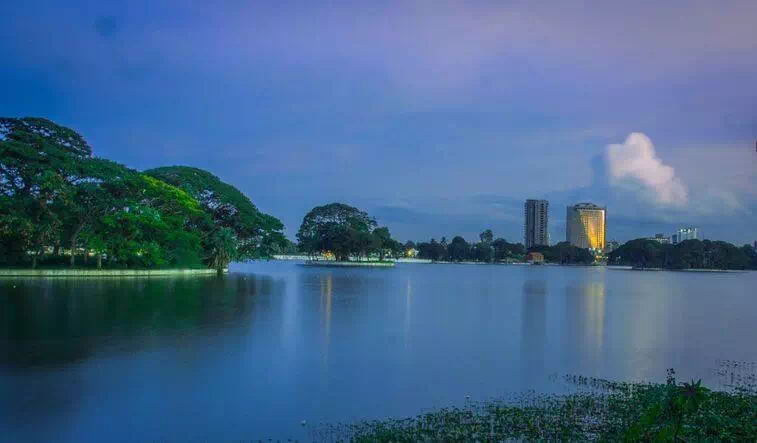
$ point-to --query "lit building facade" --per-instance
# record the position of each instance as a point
(536, 223)
(684, 234)
(586, 225)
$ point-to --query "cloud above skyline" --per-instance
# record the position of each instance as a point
(431, 104)
(635, 161)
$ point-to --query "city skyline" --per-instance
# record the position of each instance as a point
(437, 117)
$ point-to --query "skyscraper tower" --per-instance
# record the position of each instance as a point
(536, 224)
(585, 226)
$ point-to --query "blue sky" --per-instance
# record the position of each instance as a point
(437, 117)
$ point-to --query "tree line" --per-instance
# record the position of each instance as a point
(487, 249)
(61, 205)
(689, 254)
(349, 233)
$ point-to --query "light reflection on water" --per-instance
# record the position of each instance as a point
(252, 354)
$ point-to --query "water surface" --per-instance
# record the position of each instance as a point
(254, 353)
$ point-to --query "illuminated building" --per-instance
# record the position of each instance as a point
(585, 226)
(684, 234)
(536, 214)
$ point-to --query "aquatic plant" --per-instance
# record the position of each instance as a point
(598, 409)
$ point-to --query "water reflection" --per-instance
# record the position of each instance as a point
(534, 326)
(408, 304)
(327, 285)
(54, 321)
(585, 316)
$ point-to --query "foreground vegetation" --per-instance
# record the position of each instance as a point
(599, 410)
(60, 204)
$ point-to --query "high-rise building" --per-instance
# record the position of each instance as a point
(536, 224)
(585, 226)
(684, 234)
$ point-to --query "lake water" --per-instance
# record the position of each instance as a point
(254, 353)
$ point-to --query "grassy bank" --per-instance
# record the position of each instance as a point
(599, 410)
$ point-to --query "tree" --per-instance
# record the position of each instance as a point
(40, 162)
(223, 249)
(258, 235)
(432, 250)
(459, 249)
(382, 241)
(339, 228)
(487, 236)
(53, 191)
(689, 254)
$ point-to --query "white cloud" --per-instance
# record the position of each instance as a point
(635, 163)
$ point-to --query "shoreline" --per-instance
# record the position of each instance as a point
(705, 271)
(103, 272)
(347, 264)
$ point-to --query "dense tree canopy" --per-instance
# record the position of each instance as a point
(56, 197)
(256, 234)
(488, 249)
(346, 232)
(689, 254)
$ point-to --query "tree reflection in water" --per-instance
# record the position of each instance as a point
(57, 321)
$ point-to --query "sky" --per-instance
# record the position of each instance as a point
(438, 118)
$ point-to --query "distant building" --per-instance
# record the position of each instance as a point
(661, 238)
(535, 257)
(536, 224)
(684, 234)
(585, 225)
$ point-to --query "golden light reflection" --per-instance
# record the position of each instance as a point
(594, 316)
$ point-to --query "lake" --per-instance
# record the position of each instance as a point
(252, 354)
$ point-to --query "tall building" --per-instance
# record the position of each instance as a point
(684, 234)
(536, 225)
(585, 226)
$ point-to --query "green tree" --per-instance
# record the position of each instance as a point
(383, 242)
(458, 249)
(336, 227)
(258, 235)
(54, 191)
(40, 162)
(223, 249)
(487, 236)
